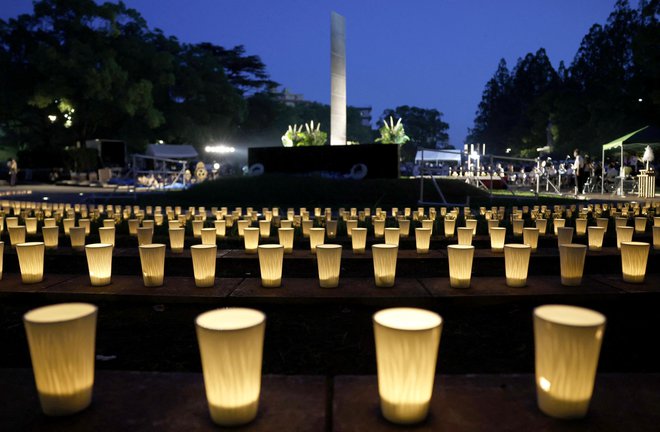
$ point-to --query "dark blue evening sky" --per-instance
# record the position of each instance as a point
(431, 53)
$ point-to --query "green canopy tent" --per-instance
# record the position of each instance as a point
(648, 135)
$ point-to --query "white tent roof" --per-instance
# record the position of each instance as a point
(438, 156)
(172, 151)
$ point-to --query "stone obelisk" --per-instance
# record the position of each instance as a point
(337, 79)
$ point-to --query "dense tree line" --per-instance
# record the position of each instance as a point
(611, 87)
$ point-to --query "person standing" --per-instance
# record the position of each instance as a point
(13, 171)
(579, 171)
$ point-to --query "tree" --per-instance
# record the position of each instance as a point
(424, 126)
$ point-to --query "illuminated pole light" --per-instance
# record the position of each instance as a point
(567, 341)
(407, 341)
(231, 347)
(61, 339)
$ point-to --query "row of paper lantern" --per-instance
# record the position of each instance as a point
(567, 339)
(634, 257)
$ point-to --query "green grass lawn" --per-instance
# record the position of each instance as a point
(309, 191)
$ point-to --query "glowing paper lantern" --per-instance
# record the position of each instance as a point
(61, 339)
(595, 235)
(602, 223)
(450, 227)
(567, 342)
(558, 223)
(99, 263)
(16, 234)
(623, 234)
(220, 228)
(564, 235)
(328, 259)
(271, 259)
(384, 258)
(177, 239)
(392, 236)
(620, 221)
(580, 227)
(152, 258)
(350, 224)
(428, 223)
(542, 225)
(331, 228)
(31, 225)
(285, 237)
(145, 235)
(286, 224)
(465, 236)
(208, 236)
(634, 256)
(11, 221)
(66, 224)
(359, 240)
(306, 226)
(407, 341)
(656, 237)
(231, 347)
(379, 228)
(87, 224)
(497, 238)
(316, 237)
(264, 228)
(571, 261)
(516, 263)
(108, 223)
(656, 221)
(493, 223)
(531, 238)
(242, 224)
(50, 222)
(640, 225)
(203, 259)
(197, 226)
(31, 261)
(471, 223)
(133, 225)
(251, 239)
(77, 238)
(2, 255)
(422, 240)
(460, 265)
(51, 236)
(404, 228)
(518, 225)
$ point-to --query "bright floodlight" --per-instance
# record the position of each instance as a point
(221, 149)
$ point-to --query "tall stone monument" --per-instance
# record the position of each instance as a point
(337, 79)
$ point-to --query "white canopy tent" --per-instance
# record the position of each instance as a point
(648, 135)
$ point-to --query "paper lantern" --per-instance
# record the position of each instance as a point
(306, 226)
(350, 224)
(87, 224)
(384, 259)
(595, 235)
(640, 225)
(145, 235)
(31, 261)
(286, 224)
(634, 256)
(542, 225)
(460, 265)
(516, 264)
(328, 259)
(251, 239)
(203, 259)
(497, 238)
(531, 238)
(571, 261)
(567, 342)
(11, 222)
(2, 255)
(428, 223)
(518, 225)
(264, 228)
(231, 347)
(656, 221)
(379, 228)
(404, 228)
(465, 236)
(359, 240)
(16, 234)
(493, 223)
(99, 263)
(152, 258)
(31, 225)
(471, 223)
(331, 228)
(51, 236)
(66, 224)
(50, 222)
(580, 227)
(208, 236)
(620, 221)
(316, 237)
(450, 226)
(77, 238)
(558, 223)
(177, 239)
(392, 236)
(656, 237)
(422, 240)
(564, 235)
(61, 338)
(407, 341)
(623, 234)
(285, 237)
(133, 225)
(108, 223)
(602, 223)
(197, 226)
(242, 224)
(271, 259)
